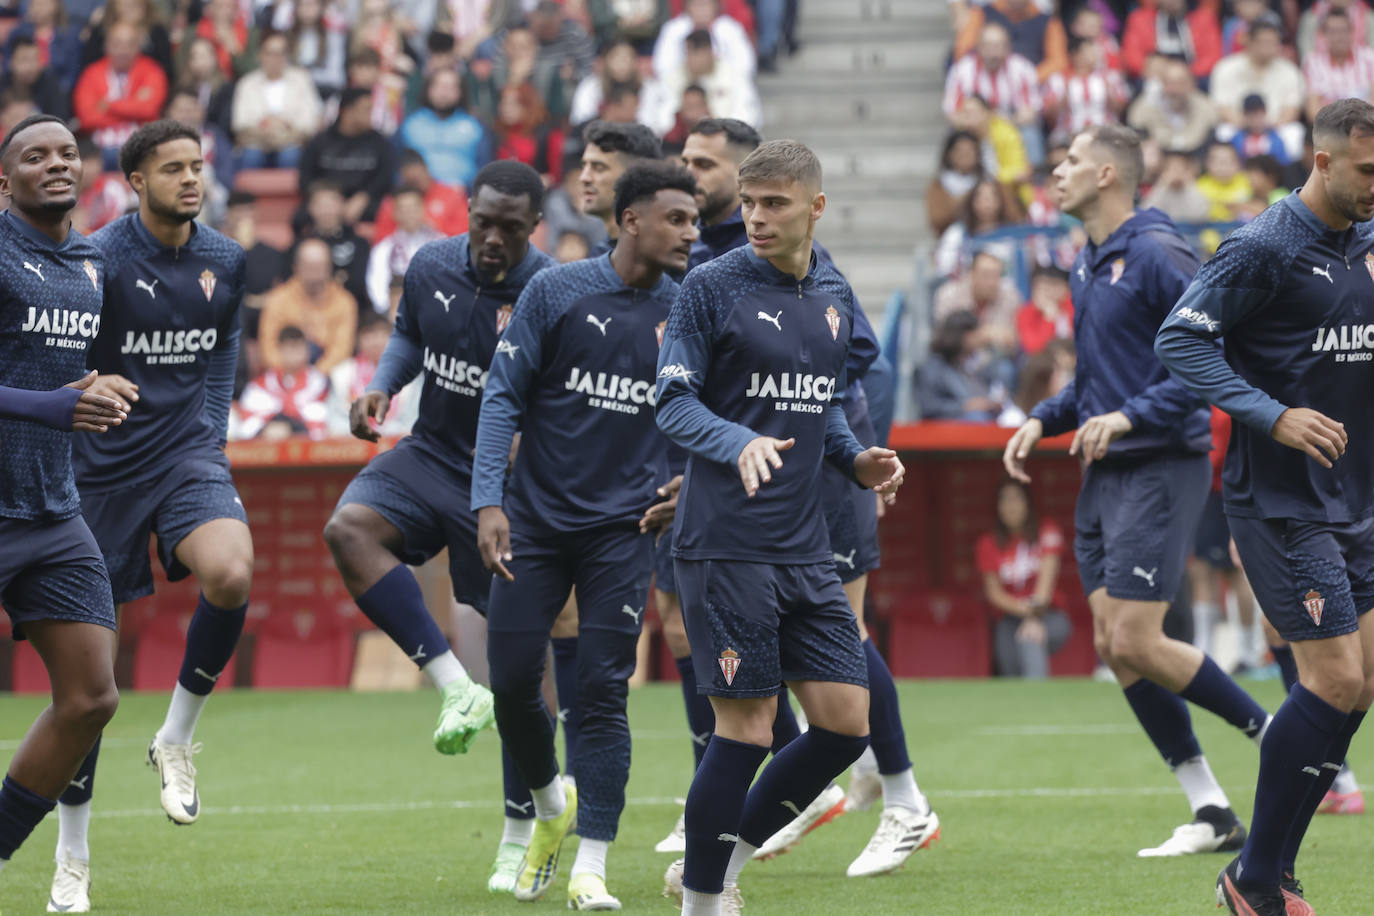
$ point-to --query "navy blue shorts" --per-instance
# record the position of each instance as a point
(851, 517)
(429, 503)
(1134, 525)
(664, 578)
(195, 491)
(610, 568)
(53, 571)
(753, 626)
(1214, 534)
(1312, 580)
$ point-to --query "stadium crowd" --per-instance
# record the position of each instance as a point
(341, 136)
(1222, 94)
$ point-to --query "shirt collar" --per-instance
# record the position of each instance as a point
(23, 227)
(148, 238)
(777, 277)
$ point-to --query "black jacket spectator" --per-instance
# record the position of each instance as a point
(360, 160)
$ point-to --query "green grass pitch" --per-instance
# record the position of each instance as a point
(337, 803)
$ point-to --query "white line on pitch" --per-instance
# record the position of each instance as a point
(1019, 731)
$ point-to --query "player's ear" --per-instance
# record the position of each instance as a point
(136, 182)
(629, 221)
(1320, 158)
(817, 205)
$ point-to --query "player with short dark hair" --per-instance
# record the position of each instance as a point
(574, 374)
(754, 357)
(1289, 293)
(53, 582)
(411, 502)
(1144, 440)
(612, 147)
(714, 149)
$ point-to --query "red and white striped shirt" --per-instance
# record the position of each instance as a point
(1351, 79)
(1083, 101)
(1008, 90)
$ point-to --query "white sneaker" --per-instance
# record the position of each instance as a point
(1198, 837)
(827, 806)
(865, 787)
(731, 903)
(180, 799)
(71, 887)
(676, 841)
(900, 832)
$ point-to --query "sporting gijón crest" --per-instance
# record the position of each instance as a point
(1315, 604)
(503, 318)
(729, 665)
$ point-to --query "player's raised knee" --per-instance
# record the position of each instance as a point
(227, 583)
(89, 709)
(346, 535)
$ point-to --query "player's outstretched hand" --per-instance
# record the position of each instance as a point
(660, 515)
(1094, 437)
(757, 457)
(373, 405)
(116, 387)
(880, 470)
(94, 413)
(493, 540)
(1019, 448)
(1306, 430)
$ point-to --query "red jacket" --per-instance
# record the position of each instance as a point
(1138, 39)
(140, 103)
(446, 207)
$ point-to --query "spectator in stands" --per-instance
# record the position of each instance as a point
(290, 391)
(1049, 313)
(988, 208)
(693, 110)
(1087, 23)
(563, 213)
(103, 195)
(1311, 36)
(961, 168)
(325, 207)
(446, 208)
(1176, 193)
(1224, 184)
(954, 384)
(317, 40)
(13, 110)
(1261, 69)
(1341, 70)
(315, 302)
(731, 41)
(391, 256)
(571, 246)
(119, 92)
(729, 93)
(1019, 561)
(1003, 150)
(1167, 29)
(264, 266)
(635, 21)
(990, 296)
(218, 170)
(379, 32)
(28, 78)
(155, 40)
(1036, 35)
(276, 109)
(1257, 137)
(352, 154)
(621, 104)
(350, 378)
(1035, 382)
(511, 60)
(1086, 93)
(617, 66)
(1005, 80)
(1176, 115)
(199, 72)
(1266, 176)
(563, 55)
(452, 141)
(58, 43)
(223, 24)
(525, 132)
(1235, 33)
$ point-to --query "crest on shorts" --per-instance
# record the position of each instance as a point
(832, 318)
(729, 665)
(207, 283)
(1315, 604)
(658, 332)
(95, 279)
(503, 318)
(1118, 268)
(1369, 263)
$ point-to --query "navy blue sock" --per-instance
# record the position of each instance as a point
(793, 779)
(20, 812)
(1215, 691)
(887, 737)
(397, 606)
(1288, 666)
(701, 718)
(1164, 716)
(1335, 756)
(1291, 757)
(785, 727)
(82, 786)
(519, 801)
(565, 685)
(210, 642)
(713, 810)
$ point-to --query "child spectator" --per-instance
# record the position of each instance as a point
(961, 168)
(1266, 179)
(391, 256)
(1256, 137)
(293, 391)
(1224, 184)
(1020, 561)
(1049, 313)
(988, 208)
(350, 378)
(1087, 23)
(1176, 192)
(1261, 69)
(446, 207)
(1236, 32)
(1085, 94)
(348, 251)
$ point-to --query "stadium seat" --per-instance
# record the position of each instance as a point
(26, 670)
(940, 634)
(158, 654)
(304, 648)
(278, 197)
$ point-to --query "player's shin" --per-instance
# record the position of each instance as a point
(1330, 768)
(74, 810)
(20, 812)
(210, 642)
(793, 780)
(718, 795)
(888, 738)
